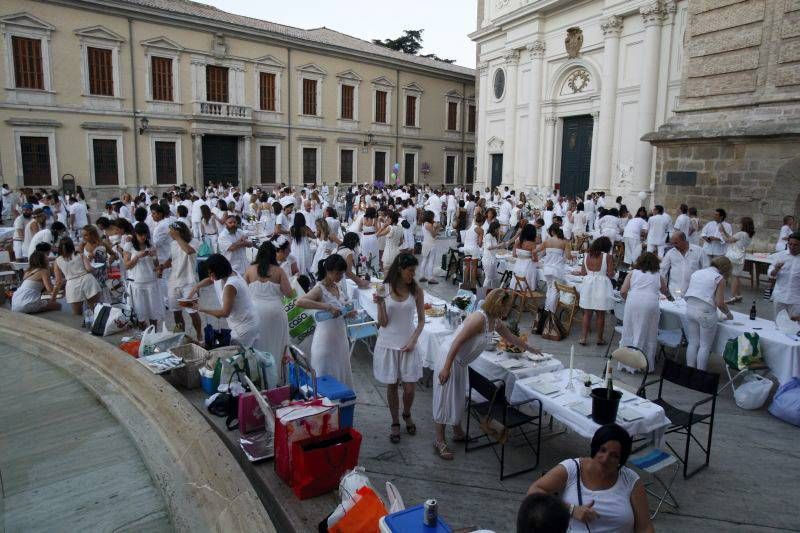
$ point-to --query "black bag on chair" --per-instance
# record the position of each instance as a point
(541, 320)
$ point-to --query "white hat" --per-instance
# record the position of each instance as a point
(287, 201)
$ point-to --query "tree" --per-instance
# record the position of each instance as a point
(410, 43)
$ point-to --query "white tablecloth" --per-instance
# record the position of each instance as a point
(488, 365)
(781, 351)
(6, 232)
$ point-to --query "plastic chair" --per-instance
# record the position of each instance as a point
(654, 460)
(362, 329)
(633, 357)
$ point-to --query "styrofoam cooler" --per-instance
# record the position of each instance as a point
(338, 393)
(410, 520)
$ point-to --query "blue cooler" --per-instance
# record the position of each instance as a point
(410, 521)
(338, 393)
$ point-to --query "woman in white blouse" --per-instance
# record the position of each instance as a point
(706, 294)
(738, 243)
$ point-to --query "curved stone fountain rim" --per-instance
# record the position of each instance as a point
(203, 486)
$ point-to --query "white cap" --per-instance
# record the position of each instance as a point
(287, 201)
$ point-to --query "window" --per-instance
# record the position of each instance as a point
(166, 171)
(309, 97)
(410, 166)
(35, 152)
(499, 83)
(105, 161)
(470, 169)
(267, 91)
(27, 63)
(380, 107)
(101, 71)
(450, 169)
(346, 166)
(452, 116)
(161, 72)
(411, 110)
(309, 163)
(216, 83)
(269, 164)
(380, 166)
(470, 119)
(348, 101)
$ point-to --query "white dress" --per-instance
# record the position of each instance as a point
(736, 252)
(553, 267)
(525, 267)
(80, 284)
(330, 350)
(471, 248)
(579, 220)
(302, 253)
(449, 399)
(390, 364)
(394, 240)
(489, 261)
(324, 249)
(640, 322)
(369, 247)
(146, 298)
(28, 297)
(242, 320)
(596, 290)
(272, 319)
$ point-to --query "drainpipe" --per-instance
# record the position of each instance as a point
(397, 122)
(464, 112)
(133, 96)
(289, 118)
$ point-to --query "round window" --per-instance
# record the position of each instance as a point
(499, 83)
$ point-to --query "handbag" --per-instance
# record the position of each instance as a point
(204, 250)
(552, 331)
(318, 463)
(108, 320)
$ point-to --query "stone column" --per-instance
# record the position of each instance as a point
(197, 160)
(247, 178)
(481, 153)
(550, 122)
(601, 174)
(509, 137)
(536, 49)
(652, 16)
(594, 178)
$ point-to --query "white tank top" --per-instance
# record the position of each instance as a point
(400, 327)
(470, 240)
(703, 285)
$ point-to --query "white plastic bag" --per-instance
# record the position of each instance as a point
(395, 500)
(753, 392)
(161, 341)
(784, 323)
(115, 321)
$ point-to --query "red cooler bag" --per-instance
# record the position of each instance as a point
(299, 421)
(318, 463)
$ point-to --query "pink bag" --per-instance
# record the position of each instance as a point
(299, 421)
(251, 418)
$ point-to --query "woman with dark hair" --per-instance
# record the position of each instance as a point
(330, 350)
(738, 243)
(635, 230)
(524, 251)
(369, 239)
(237, 305)
(299, 235)
(347, 251)
(603, 494)
(596, 290)
(640, 290)
(268, 284)
(141, 264)
(429, 231)
(209, 227)
(283, 251)
(28, 296)
(579, 220)
(396, 358)
(491, 242)
(554, 263)
(182, 265)
(326, 244)
(394, 239)
(73, 272)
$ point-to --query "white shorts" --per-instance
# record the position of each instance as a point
(81, 289)
(393, 366)
(174, 293)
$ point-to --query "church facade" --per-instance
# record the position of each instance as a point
(567, 89)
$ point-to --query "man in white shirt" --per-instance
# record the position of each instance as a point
(434, 204)
(451, 208)
(285, 219)
(308, 213)
(683, 223)
(504, 215)
(233, 245)
(785, 270)
(658, 226)
(5, 201)
(680, 262)
(601, 201)
(714, 234)
(196, 215)
(24, 218)
(78, 214)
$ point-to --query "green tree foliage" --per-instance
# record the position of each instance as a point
(410, 43)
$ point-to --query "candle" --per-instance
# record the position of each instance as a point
(571, 356)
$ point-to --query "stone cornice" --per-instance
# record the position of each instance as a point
(33, 122)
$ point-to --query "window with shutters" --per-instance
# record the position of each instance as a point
(470, 169)
(216, 83)
(166, 166)
(380, 166)
(267, 91)
(101, 71)
(348, 102)
(309, 165)
(452, 116)
(380, 107)
(35, 153)
(471, 119)
(309, 97)
(269, 164)
(161, 76)
(27, 63)
(346, 166)
(105, 161)
(411, 111)
(450, 169)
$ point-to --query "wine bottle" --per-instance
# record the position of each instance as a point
(609, 381)
(753, 311)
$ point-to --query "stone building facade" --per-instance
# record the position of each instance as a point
(734, 140)
(124, 93)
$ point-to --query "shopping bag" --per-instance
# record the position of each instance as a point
(204, 250)
(786, 403)
(319, 462)
(743, 351)
(228, 366)
(108, 320)
(162, 341)
(216, 338)
(364, 516)
(301, 323)
(552, 330)
(131, 347)
(257, 409)
(299, 421)
(753, 392)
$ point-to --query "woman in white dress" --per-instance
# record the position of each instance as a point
(300, 237)
(525, 252)
(397, 359)
(569, 221)
(640, 290)
(182, 265)
(554, 263)
(394, 235)
(326, 244)
(738, 243)
(285, 258)
(236, 303)
(268, 215)
(369, 240)
(490, 246)
(348, 252)
(209, 227)
(141, 263)
(473, 248)
(547, 214)
(635, 230)
(74, 273)
(579, 220)
(330, 350)
(472, 338)
(596, 290)
(28, 296)
(268, 285)
(429, 231)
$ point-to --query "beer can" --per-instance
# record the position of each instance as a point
(431, 513)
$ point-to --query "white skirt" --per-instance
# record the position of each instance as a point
(596, 292)
(391, 366)
(640, 324)
(147, 301)
(81, 288)
(449, 400)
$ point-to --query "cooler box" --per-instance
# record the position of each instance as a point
(338, 393)
(410, 521)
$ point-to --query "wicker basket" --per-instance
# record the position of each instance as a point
(194, 358)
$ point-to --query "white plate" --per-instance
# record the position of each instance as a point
(543, 387)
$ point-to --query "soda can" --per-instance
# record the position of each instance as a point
(429, 518)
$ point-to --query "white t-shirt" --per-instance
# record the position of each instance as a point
(285, 221)
(184, 268)
(658, 227)
(683, 223)
(634, 228)
(78, 210)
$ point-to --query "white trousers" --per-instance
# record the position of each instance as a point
(427, 264)
(700, 328)
(657, 247)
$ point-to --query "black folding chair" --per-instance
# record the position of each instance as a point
(496, 408)
(683, 422)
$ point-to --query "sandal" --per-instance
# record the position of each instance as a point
(582, 342)
(411, 428)
(443, 451)
(394, 437)
(601, 342)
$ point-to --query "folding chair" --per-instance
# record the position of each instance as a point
(362, 329)
(653, 460)
(732, 364)
(683, 422)
(498, 409)
(567, 303)
(523, 292)
(633, 357)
